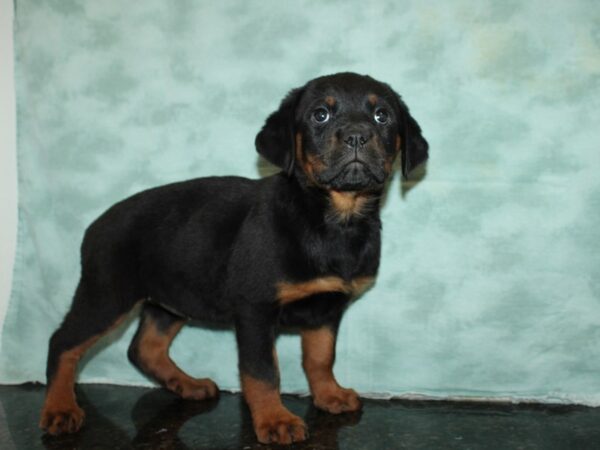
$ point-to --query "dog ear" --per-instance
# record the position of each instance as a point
(414, 146)
(276, 141)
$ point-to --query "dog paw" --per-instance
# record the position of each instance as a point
(338, 401)
(281, 427)
(193, 389)
(62, 420)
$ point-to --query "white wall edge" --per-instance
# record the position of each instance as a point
(8, 157)
(557, 400)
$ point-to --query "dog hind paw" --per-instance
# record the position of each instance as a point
(193, 389)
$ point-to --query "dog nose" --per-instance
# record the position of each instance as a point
(355, 140)
(356, 137)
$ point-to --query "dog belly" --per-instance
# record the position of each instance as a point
(192, 302)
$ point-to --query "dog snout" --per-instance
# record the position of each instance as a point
(356, 136)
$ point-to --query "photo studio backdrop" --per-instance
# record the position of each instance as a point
(490, 274)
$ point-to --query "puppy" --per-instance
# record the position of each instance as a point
(289, 250)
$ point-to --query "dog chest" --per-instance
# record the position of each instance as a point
(288, 292)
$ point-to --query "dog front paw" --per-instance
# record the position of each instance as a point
(279, 427)
(337, 400)
(61, 420)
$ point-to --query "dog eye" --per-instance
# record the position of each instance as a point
(381, 115)
(321, 115)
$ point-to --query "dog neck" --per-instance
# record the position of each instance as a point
(346, 206)
(336, 207)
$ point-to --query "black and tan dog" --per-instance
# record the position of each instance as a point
(290, 250)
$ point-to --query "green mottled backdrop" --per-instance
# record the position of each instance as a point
(490, 277)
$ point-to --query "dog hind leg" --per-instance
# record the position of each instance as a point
(92, 314)
(149, 352)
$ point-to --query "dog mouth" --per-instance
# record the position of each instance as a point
(355, 174)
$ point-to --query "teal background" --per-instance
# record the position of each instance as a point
(490, 275)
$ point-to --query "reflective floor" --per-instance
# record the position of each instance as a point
(127, 418)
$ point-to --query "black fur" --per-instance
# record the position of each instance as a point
(275, 142)
(416, 149)
(215, 249)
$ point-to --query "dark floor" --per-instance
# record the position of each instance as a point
(127, 418)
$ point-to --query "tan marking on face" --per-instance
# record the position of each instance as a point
(373, 99)
(309, 163)
(347, 204)
(388, 165)
(330, 100)
(299, 155)
(389, 159)
(315, 163)
(288, 292)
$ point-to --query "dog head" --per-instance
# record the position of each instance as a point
(342, 132)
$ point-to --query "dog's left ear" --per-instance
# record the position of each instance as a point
(276, 141)
(413, 144)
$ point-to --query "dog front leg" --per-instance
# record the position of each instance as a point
(259, 373)
(318, 356)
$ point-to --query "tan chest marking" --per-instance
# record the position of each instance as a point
(347, 204)
(288, 292)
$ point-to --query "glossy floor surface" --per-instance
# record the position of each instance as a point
(141, 418)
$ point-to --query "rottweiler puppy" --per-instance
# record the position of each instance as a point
(290, 250)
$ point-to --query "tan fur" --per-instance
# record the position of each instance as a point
(347, 204)
(259, 394)
(330, 100)
(373, 99)
(153, 354)
(272, 421)
(361, 284)
(309, 163)
(318, 356)
(60, 394)
(290, 292)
